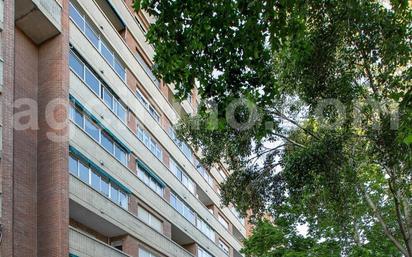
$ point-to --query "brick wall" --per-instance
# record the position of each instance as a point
(25, 149)
(7, 108)
(52, 172)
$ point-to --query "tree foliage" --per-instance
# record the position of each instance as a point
(309, 103)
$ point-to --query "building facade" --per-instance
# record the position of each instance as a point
(90, 163)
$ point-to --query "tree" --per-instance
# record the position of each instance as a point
(309, 103)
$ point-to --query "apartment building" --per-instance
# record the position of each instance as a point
(90, 162)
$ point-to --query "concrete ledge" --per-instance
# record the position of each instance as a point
(40, 20)
(82, 245)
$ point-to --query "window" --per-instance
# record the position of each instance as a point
(182, 177)
(123, 200)
(121, 111)
(107, 142)
(144, 253)
(104, 187)
(76, 17)
(187, 152)
(223, 222)
(142, 99)
(152, 111)
(182, 208)
(149, 180)
(146, 68)
(107, 54)
(95, 39)
(78, 117)
(73, 167)
(149, 142)
(84, 172)
(182, 145)
(76, 65)
(118, 67)
(224, 247)
(203, 172)
(149, 219)
(202, 253)
(95, 181)
(108, 98)
(91, 35)
(237, 214)
(120, 154)
(92, 81)
(205, 228)
(154, 114)
(114, 193)
(92, 129)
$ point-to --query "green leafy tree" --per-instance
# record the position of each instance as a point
(309, 103)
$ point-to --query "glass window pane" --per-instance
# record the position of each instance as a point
(107, 143)
(120, 154)
(159, 190)
(92, 81)
(114, 194)
(152, 184)
(121, 112)
(78, 118)
(143, 253)
(108, 98)
(73, 168)
(95, 181)
(84, 172)
(123, 200)
(173, 201)
(120, 70)
(156, 223)
(76, 17)
(104, 187)
(143, 215)
(107, 54)
(92, 36)
(92, 129)
(76, 65)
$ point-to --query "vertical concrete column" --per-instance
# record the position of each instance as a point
(7, 108)
(53, 150)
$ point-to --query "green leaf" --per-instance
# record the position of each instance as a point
(408, 140)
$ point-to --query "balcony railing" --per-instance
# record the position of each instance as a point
(81, 244)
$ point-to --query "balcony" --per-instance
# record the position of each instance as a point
(81, 244)
(40, 20)
(92, 209)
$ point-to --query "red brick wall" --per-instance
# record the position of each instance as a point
(130, 246)
(7, 155)
(53, 176)
(25, 150)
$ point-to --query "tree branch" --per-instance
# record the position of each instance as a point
(383, 224)
(396, 197)
(281, 115)
(288, 139)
